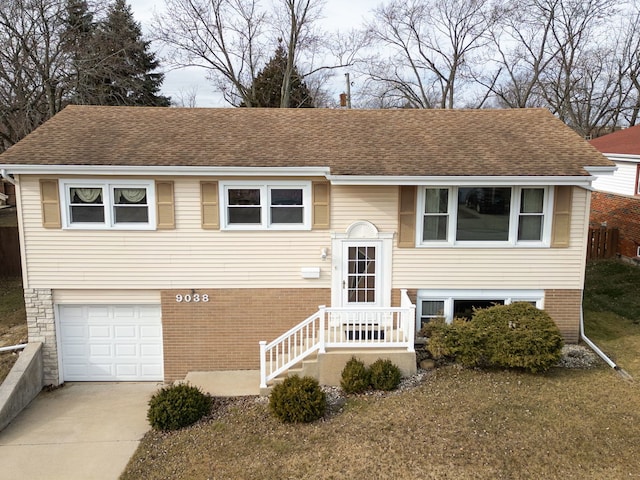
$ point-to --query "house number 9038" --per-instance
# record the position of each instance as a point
(195, 298)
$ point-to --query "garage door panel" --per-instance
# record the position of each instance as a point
(126, 350)
(99, 331)
(100, 350)
(111, 342)
(77, 332)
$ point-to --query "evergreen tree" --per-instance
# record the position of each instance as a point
(111, 63)
(79, 44)
(267, 86)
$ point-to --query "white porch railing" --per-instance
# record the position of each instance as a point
(363, 327)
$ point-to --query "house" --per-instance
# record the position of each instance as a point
(616, 201)
(162, 241)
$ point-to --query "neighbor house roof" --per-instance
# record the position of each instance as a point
(626, 142)
(530, 142)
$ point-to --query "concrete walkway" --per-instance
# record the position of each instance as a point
(82, 431)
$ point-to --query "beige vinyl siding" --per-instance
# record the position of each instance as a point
(106, 297)
(191, 257)
(187, 257)
(472, 268)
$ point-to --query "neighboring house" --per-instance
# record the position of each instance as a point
(159, 241)
(616, 202)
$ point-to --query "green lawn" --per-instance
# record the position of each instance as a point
(458, 424)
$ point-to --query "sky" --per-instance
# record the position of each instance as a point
(339, 14)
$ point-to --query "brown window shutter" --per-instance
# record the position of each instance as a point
(321, 192)
(561, 229)
(209, 200)
(50, 196)
(407, 217)
(165, 205)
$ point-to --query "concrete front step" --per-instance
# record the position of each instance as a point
(327, 367)
(232, 383)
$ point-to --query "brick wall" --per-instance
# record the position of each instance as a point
(622, 212)
(564, 307)
(223, 333)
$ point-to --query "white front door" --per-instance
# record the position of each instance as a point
(361, 270)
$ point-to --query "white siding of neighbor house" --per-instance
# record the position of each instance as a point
(190, 257)
(622, 182)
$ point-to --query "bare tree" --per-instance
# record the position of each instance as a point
(232, 40)
(32, 65)
(432, 44)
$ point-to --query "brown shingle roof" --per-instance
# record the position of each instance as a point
(350, 142)
(625, 141)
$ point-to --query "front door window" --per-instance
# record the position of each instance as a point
(362, 268)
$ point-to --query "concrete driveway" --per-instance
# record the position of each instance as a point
(80, 431)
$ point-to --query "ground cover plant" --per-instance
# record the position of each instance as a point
(458, 424)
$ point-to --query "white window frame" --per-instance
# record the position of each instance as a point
(265, 204)
(449, 296)
(514, 216)
(108, 187)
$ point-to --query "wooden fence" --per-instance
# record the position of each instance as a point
(602, 242)
(10, 252)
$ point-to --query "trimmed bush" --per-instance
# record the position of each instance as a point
(454, 341)
(177, 406)
(355, 377)
(297, 400)
(384, 375)
(508, 336)
(519, 336)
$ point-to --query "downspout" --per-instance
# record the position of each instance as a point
(599, 352)
(5, 176)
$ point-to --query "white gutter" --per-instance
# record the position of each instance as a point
(5, 176)
(467, 180)
(166, 170)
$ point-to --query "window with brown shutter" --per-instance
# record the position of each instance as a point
(407, 217)
(209, 205)
(50, 198)
(321, 192)
(561, 230)
(165, 205)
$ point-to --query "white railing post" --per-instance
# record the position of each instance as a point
(263, 364)
(323, 316)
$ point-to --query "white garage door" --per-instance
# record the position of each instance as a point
(111, 342)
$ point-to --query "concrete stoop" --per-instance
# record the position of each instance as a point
(327, 367)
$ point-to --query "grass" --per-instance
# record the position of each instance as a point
(459, 424)
(13, 321)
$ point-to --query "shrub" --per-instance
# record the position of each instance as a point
(298, 399)
(518, 336)
(509, 336)
(355, 377)
(455, 341)
(384, 375)
(177, 406)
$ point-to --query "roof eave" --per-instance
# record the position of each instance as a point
(447, 180)
(103, 170)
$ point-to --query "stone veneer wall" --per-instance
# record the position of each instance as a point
(42, 328)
